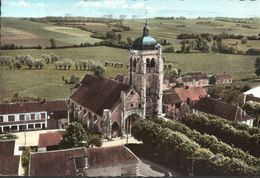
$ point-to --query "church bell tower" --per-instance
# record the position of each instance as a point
(146, 72)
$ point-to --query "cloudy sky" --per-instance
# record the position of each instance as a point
(130, 8)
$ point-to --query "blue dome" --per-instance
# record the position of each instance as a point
(144, 42)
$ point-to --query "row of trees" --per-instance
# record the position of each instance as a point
(94, 66)
(114, 64)
(179, 148)
(211, 37)
(22, 60)
(252, 108)
(225, 132)
(210, 142)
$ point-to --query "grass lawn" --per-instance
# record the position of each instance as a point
(48, 82)
(27, 33)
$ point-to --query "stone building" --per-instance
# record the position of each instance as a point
(92, 162)
(111, 107)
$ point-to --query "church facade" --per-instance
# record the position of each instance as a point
(111, 107)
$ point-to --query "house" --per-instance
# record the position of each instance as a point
(111, 107)
(194, 80)
(9, 163)
(168, 82)
(223, 110)
(49, 141)
(252, 95)
(122, 79)
(223, 78)
(103, 161)
(178, 102)
(33, 115)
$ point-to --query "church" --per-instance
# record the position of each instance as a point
(111, 107)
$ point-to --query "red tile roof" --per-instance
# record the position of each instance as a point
(55, 163)
(221, 109)
(26, 107)
(108, 156)
(98, 93)
(9, 163)
(49, 139)
(193, 93)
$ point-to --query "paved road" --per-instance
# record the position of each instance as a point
(150, 169)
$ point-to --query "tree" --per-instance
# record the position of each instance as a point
(129, 40)
(94, 140)
(257, 66)
(54, 58)
(119, 37)
(74, 136)
(244, 40)
(46, 58)
(53, 43)
(98, 69)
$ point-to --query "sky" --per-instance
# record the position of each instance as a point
(132, 8)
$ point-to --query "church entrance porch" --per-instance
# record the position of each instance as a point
(116, 132)
(129, 122)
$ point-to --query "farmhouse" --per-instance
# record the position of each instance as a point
(104, 161)
(180, 101)
(223, 78)
(111, 107)
(223, 110)
(194, 80)
(33, 115)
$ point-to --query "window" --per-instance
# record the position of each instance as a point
(32, 116)
(21, 117)
(43, 115)
(27, 117)
(37, 116)
(11, 118)
(1, 118)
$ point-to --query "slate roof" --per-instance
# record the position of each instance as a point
(9, 163)
(108, 156)
(98, 93)
(49, 139)
(55, 163)
(193, 93)
(26, 107)
(221, 109)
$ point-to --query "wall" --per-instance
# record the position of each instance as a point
(115, 170)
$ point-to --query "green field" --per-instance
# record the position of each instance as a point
(48, 81)
(28, 33)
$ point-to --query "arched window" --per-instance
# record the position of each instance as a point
(153, 62)
(134, 63)
(148, 62)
